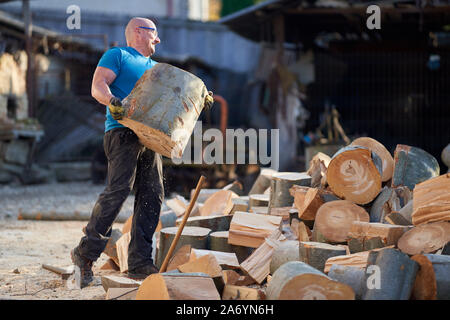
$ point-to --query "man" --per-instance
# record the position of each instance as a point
(128, 161)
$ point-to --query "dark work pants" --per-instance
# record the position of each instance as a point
(128, 163)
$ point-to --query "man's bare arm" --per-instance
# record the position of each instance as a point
(103, 77)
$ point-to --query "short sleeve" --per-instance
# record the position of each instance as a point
(111, 60)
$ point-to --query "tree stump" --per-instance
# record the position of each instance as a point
(427, 238)
(387, 162)
(219, 242)
(286, 251)
(354, 174)
(412, 166)
(197, 237)
(297, 280)
(178, 286)
(431, 200)
(433, 279)
(394, 278)
(316, 254)
(281, 183)
(334, 220)
(352, 276)
(262, 182)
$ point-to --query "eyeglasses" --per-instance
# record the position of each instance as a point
(148, 28)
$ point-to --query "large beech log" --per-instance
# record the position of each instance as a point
(354, 174)
(431, 200)
(286, 251)
(165, 125)
(197, 237)
(352, 276)
(218, 203)
(250, 229)
(412, 166)
(181, 286)
(219, 242)
(257, 265)
(316, 254)
(334, 220)
(281, 183)
(297, 280)
(307, 201)
(365, 236)
(224, 259)
(262, 182)
(318, 169)
(358, 260)
(433, 279)
(215, 223)
(386, 157)
(258, 200)
(426, 238)
(396, 273)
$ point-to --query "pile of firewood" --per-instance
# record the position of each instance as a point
(362, 224)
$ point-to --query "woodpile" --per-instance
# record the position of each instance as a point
(357, 225)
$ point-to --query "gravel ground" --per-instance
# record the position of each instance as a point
(27, 244)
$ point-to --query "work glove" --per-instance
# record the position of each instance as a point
(116, 109)
(209, 100)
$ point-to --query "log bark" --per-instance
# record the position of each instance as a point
(334, 219)
(432, 280)
(262, 182)
(364, 236)
(182, 286)
(316, 254)
(250, 229)
(215, 223)
(351, 276)
(281, 183)
(165, 125)
(286, 251)
(412, 166)
(197, 237)
(297, 280)
(219, 242)
(431, 200)
(427, 238)
(386, 202)
(354, 174)
(386, 158)
(396, 273)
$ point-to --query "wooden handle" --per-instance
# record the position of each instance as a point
(180, 229)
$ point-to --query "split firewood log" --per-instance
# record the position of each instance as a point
(334, 220)
(386, 157)
(218, 204)
(318, 170)
(389, 200)
(262, 182)
(426, 238)
(218, 241)
(181, 256)
(281, 183)
(215, 223)
(286, 251)
(181, 286)
(122, 251)
(297, 280)
(307, 201)
(316, 253)
(431, 200)
(354, 174)
(111, 247)
(412, 166)
(258, 200)
(232, 292)
(224, 259)
(432, 280)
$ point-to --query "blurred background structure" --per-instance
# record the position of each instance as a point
(311, 68)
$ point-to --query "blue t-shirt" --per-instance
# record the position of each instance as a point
(129, 66)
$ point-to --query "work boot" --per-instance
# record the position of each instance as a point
(142, 272)
(85, 265)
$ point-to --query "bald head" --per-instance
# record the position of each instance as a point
(130, 30)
